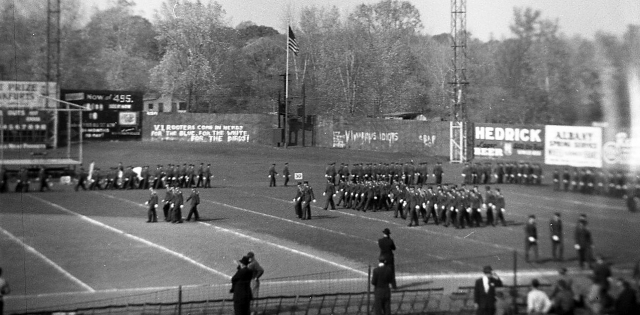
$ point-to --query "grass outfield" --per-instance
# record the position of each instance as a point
(64, 247)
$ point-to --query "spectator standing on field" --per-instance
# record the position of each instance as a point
(387, 246)
(241, 288)
(4, 290)
(484, 296)
(257, 272)
(381, 279)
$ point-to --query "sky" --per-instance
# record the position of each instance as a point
(485, 18)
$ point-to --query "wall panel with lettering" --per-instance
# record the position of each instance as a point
(509, 142)
(24, 120)
(110, 115)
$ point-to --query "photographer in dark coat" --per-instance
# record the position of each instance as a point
(381, 279)
(485, 292)
(241, 288)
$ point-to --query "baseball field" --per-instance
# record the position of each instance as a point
(64, 248)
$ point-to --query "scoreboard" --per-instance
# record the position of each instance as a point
(108, 115)
(26, 118)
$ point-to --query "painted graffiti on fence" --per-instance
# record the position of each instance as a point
(342, 138)
(200, 133)
(428, 140)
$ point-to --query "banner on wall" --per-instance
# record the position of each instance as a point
(199, 133)
(577, 146)
(495, 141)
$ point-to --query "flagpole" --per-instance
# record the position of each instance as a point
(286, 93)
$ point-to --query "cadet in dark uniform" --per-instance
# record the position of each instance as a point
(297, 200)
(200, 176)
(207, 176)
(3, 179)
(177, 203)
(307, 198)
(42, 179)
(387, 246)
(82, 178)
(489, 200)
(168, 196)
(286, 174)
(195, 201)
(531, 238)
(272, 175)
(438, 172)
(557, 239)
(152, 215)
(583, 242)
(499, 207)
(329, 192)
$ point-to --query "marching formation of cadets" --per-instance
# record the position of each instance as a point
(173, 203)
(503, 173)
(401, 187)
(617, 184)
(185, 176)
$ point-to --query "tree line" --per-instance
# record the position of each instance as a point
(375, 59)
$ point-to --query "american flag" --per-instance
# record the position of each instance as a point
(292, 43)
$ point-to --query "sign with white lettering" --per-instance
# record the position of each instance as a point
(110, 115)
(25, 124)
(577, 146)
(199, 133)
(494, 141)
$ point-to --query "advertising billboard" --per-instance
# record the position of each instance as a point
(577, 146)
(109, 115)
(514, 142)
(24, 121)
(621, 150)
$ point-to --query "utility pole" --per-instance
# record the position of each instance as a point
(458, 82)
(53, 62)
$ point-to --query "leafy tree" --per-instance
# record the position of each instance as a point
(196, 42)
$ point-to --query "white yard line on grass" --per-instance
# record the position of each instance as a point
(48, 261)
(257, 240)
(139, 239)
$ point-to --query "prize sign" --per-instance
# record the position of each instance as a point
(109, 115)
(24, 121)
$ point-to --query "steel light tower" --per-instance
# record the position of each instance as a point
(458, 82)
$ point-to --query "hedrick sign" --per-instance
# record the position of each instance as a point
(515, 142)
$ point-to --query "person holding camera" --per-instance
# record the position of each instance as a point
(485, 292)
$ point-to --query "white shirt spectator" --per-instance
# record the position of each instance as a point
(537, 302)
